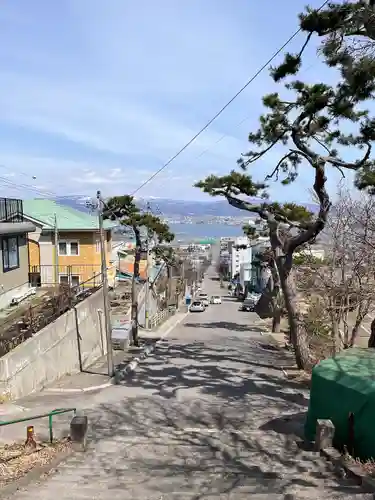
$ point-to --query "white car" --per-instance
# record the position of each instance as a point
(203, 297)
(215, 299)
(197, 306)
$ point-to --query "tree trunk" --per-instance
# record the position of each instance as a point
(134, 309)
(361, 314)
(169, 284)
(371, 340)
(336, 337)
(298, 334)
(276, 321)
(276, 300)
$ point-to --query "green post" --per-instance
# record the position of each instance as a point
(50, 427)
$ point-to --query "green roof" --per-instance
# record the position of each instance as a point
(68, 219)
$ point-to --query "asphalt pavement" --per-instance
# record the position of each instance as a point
(208, 416)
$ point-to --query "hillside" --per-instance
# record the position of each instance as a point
(170, 208)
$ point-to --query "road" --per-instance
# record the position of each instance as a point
(203, 418)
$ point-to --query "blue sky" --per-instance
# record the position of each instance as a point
(98, 95)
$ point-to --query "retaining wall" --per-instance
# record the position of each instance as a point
(54, 350)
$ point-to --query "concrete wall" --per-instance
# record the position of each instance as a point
(53, 352)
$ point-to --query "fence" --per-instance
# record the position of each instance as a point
(162, 316)
(46, 275)
(11, 210)
(25, 322)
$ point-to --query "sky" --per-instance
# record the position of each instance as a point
(100, 94)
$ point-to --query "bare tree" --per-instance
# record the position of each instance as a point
(344, 282)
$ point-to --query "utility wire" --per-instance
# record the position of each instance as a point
(244, 87)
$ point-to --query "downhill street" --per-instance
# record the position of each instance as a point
(200, 419)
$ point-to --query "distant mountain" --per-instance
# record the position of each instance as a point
(170, 208)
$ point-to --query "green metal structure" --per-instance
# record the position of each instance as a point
(50, 415)
(343, 391)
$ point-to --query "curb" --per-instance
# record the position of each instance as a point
(128, 368)
(147, 351)
(84, 389)
(34, 475)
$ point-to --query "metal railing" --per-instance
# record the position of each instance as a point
(43, 310)
(45, 274)
(162, 316)
(50, 415)
(11, 210)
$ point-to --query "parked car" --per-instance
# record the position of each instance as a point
(215, 299)
(197, 306)
(204, 298)
(250, 302)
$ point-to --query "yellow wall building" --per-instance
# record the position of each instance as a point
(65, 248)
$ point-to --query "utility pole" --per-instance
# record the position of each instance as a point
(107, 314)
(56, 243)
(148, 284)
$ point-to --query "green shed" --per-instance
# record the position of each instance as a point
(342, 385)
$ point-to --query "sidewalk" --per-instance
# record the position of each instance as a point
(79, 391)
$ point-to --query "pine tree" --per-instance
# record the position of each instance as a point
(309, 126)
(125, 210)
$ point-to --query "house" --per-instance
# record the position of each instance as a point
(65, 247)
(125, 261)
(14, 264)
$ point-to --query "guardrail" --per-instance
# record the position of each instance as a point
(50, 415)
(162, 316)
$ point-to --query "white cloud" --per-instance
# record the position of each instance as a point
(105, 95)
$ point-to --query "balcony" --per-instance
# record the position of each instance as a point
(11, 210)
(11, 217)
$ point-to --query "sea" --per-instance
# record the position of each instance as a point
(190, 232)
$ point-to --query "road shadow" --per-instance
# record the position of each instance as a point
(226, 325)
(226, 298)
(236, 370)
(203, 420)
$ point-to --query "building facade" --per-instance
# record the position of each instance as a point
(241, 252)
(65, 248)
(14, 260)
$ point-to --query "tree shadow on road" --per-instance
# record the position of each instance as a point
(236, 370)
(194, 449)
(227, 325)
(203, 421)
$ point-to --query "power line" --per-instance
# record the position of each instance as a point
(202, 153)
(19, 187)
(205, 127)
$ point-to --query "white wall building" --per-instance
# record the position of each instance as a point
(245, 273)
(240, 255)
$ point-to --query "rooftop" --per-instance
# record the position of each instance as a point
(68, 219)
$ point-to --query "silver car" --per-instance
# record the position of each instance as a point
(197, 306)
(203, 297)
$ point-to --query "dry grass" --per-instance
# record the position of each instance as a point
(16, 460)
(299, 377)
(368, 466)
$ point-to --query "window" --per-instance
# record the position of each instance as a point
(64, 279)
(97, 246)
(63, 248)
(73, 280)
(68, 248)
(11, 258)
(74, 249)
